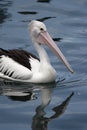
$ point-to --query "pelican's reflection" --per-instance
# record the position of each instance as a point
(25, 93)
(40, 121)
(17, 91)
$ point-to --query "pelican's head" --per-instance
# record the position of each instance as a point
(36, 28)
(39, 35)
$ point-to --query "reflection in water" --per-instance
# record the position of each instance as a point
(40, 121)
(3, 10)
(61, 108)
(17, 91)
(43, 1)
(27, 12)
(21, 96)
(20, 92)
(45, 18)
(57, 39)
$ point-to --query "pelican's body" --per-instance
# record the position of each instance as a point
(20, 65)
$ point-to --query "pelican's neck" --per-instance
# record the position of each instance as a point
(42, 53)
(46, 97)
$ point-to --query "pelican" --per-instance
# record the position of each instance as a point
(20, 65)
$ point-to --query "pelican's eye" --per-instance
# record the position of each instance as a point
(41, 29)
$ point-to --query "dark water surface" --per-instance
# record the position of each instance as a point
(61, 105)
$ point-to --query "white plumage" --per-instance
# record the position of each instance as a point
(16, 70)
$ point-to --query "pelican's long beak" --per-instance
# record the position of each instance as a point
(45, 38)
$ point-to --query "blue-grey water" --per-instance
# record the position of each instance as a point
(61, 105)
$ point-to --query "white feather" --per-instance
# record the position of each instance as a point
(19, 71)
(35, 65)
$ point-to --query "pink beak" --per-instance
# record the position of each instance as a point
(44, 38)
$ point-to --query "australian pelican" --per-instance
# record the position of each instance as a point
(20, 65)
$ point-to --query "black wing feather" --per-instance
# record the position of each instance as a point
(20, 56)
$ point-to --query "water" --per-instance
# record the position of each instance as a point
(61, 105)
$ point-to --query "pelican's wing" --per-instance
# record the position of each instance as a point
(15, 64)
